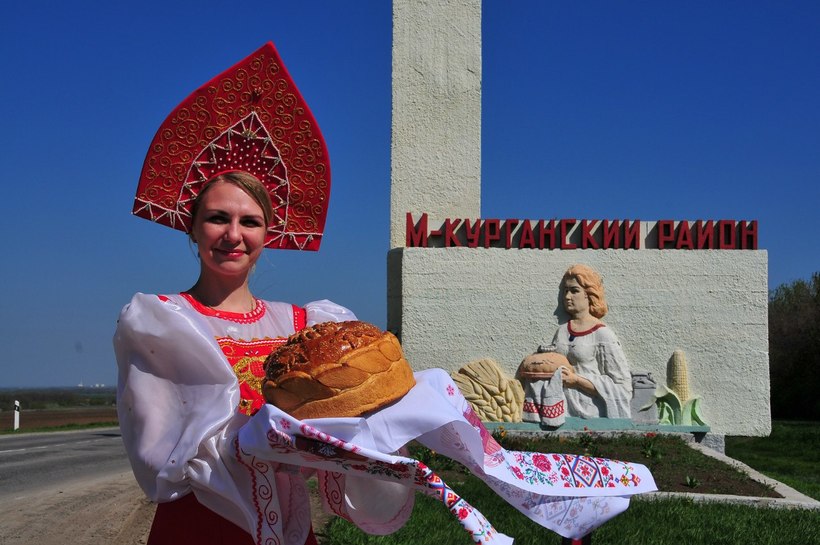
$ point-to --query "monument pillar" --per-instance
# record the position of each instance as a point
(436, 128)
(436, 123)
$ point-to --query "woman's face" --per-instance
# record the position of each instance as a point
(229, 230)
(576, 299)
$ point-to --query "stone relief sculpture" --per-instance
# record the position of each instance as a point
(675, 403)
(598, 383)
(583, 373)
(494, 396)
(644, 389)
(544, 400)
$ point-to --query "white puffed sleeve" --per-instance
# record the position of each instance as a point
(175, 392)
(327, 311)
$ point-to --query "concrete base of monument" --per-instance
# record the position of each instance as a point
(574, 423)
(452, 306)
(614, 426)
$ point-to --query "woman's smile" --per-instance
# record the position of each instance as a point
(230, 253)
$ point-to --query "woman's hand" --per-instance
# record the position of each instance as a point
(571, 379)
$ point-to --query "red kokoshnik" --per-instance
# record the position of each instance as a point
(249, 118)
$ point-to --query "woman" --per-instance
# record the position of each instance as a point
(229, 225)
(600, 384)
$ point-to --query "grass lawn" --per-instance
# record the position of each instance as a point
(791, 455)
(661, 522)
(792, 450)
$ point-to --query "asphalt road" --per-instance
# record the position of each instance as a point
(33, 462)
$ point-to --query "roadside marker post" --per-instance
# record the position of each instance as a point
(16, 415)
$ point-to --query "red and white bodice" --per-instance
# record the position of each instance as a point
(247, 339)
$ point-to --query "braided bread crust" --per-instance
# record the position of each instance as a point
(337, 369)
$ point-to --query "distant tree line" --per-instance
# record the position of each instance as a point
(794, 349)
(56, 398)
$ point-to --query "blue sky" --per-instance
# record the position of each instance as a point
(639, 110)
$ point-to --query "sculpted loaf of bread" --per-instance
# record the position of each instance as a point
(542, 365)
(337, 369)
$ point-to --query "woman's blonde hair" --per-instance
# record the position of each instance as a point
(248, 183)
(593, 286)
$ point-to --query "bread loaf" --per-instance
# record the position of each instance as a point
(337, 369)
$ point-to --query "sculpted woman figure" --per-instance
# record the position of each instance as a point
(599, 383)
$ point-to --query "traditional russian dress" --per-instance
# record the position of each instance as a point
(194, 422)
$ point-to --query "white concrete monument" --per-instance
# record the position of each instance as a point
(460, 291)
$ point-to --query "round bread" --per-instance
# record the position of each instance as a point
(542, 365)
(336, 369)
